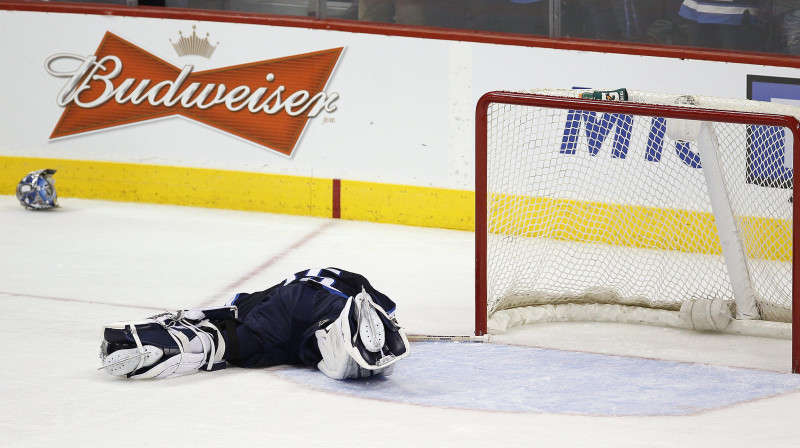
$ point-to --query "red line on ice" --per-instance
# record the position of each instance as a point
(233, 287)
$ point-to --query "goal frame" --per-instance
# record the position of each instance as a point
(620, 107)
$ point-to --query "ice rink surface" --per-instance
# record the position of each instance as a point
(65, 272)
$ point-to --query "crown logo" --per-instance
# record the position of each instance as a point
(193, 45)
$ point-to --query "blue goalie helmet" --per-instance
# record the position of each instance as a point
(36, 190)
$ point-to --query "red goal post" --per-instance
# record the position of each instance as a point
(492, 136)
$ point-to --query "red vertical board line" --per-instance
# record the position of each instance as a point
(337, 199)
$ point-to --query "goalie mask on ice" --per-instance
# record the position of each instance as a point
(37, 190)
(363, 341)
(168, 344)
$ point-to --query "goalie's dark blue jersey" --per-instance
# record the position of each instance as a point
(278, 324)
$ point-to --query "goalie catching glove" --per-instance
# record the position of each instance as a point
(168, 344)
(363, 341)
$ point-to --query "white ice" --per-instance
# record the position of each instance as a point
(64, 273)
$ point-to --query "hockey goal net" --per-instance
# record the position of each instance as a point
(666, 209)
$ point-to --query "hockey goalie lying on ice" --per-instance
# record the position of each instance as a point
(328, 318)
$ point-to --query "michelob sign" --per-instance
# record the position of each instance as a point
(599, 127)
(267, 102)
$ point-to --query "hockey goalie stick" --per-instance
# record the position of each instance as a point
(410, 337)
(437, 338)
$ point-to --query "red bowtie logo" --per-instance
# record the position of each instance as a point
(267, 102)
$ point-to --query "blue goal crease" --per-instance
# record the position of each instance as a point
(507, 378)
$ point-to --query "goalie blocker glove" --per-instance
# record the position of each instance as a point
(363, 341)
(165, 345)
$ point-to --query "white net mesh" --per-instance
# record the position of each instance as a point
(590, 207)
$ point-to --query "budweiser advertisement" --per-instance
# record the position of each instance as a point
(266, 102)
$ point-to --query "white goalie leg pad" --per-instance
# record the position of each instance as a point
(193, 356)
(363, 341)
(336, 360)
(161, 346)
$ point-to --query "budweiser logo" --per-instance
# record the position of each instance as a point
(267, 102)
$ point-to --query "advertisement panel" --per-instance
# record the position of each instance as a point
(313, 103)
(266, 99)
